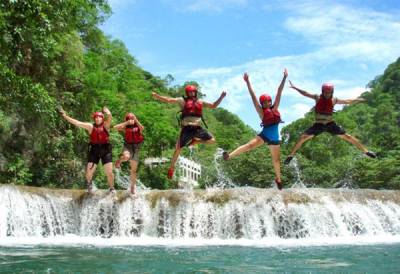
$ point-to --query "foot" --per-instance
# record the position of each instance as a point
(278, 184)
(89, 187)
(170, 172)
(112, 190)
(225, 155)
(370, 154)
(117, 164)
(288, 159)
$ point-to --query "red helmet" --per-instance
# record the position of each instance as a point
(129, 116)
(327, 87)
(97, 114)
(263, 98)
(190, 88)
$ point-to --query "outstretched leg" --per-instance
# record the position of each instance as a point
(354, 141)
(177, 152)
(276, 162)
(252, 144)
(303, 138)
(196, 141)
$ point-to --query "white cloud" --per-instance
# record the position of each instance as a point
(350, 92)
(213, 5)
(206, 5)
(295, 111)
(342, 36)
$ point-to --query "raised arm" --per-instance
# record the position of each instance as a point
(107, 121)
(87, 126)
(350, 101)
(303, 92)
(141, 127)
(253, 96)
(280, 89)
(122, 126)
(217, 102)
(165, 99)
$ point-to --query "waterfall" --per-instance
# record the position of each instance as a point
(221, 214)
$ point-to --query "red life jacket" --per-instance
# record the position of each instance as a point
(99, 135)
(133, 135)
(271, 117)
(324, 106)
(192, 107)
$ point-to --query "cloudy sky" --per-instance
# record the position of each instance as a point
(215, 41)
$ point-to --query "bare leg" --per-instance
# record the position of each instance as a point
(90, 169)
(198, 141)
(353, 141)
(276, 160)
(252, 144)
(125, 155)
(174, 159)
(300, 142)
(110, 176)
(177, 152)
(134, 165)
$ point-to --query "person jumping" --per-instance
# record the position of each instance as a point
(270, 117)
(325, 103)
(192, 115)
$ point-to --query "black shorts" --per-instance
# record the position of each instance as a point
(331, 127)
(190, 132)
(97, 152)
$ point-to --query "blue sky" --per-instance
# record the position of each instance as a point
(215, 42)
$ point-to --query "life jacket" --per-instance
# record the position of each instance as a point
(324, 106)
(99, 135)
(192, 108)
(133, 134)
(271, 117)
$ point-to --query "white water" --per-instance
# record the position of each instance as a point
(223, 181)
(295, 166)
(124, 181)
(245, 216)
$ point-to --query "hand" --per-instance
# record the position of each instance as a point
(61, 111)
(285, 73)
(134, 117)
(223, 94)
(155, 95)
(130, 122)
(246, 77)
(291, 85)
(106, 111)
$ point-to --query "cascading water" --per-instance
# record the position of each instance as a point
(295, 166)
(124, 181)
(223, 181)
(208, 216)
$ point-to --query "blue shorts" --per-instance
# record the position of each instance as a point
(270, 134)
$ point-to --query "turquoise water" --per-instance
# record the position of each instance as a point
(215, 259)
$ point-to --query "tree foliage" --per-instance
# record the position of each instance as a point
(53, 53)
